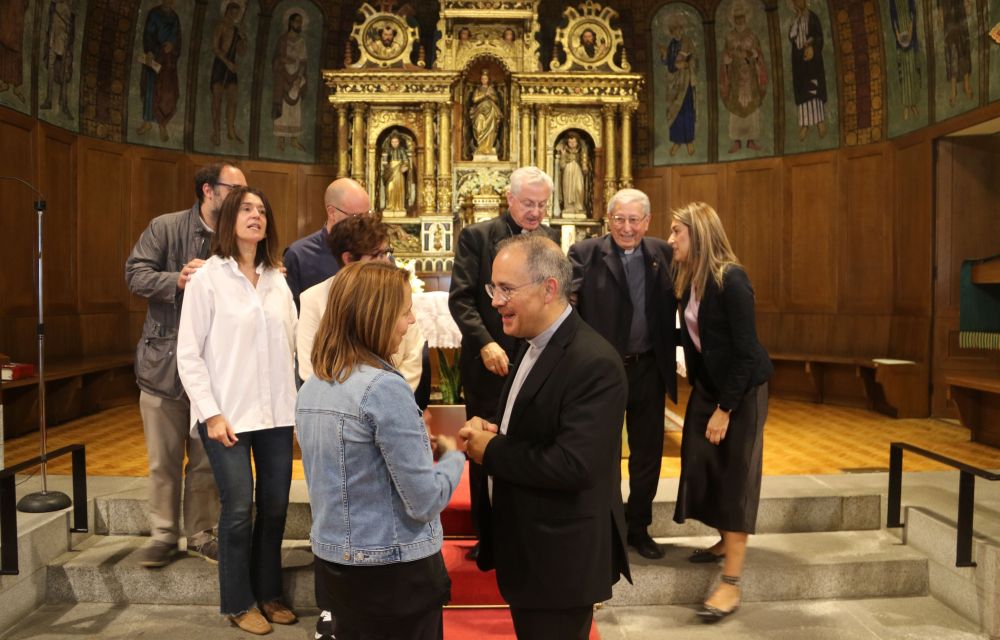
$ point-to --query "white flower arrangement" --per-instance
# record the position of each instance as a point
(410, 264)
(484, 181)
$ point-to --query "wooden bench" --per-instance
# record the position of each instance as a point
(977, 397)
(74, 387)
(897, 388)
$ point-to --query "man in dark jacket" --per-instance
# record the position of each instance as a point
(624, 290)
(486, 350)
(552, 523)
(168, 252)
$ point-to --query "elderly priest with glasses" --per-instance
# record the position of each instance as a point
(623, 288)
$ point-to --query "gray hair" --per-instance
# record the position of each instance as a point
(528, 175)
(543, 259)
(628, 196)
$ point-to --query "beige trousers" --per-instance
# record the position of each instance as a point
(167, 426)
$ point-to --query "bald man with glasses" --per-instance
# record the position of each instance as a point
(308, 260)
(486, 349)
(623, 288)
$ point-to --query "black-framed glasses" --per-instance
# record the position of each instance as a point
(227, 185)
(502, 293)
(350, 214)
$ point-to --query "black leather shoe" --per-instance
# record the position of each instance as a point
(473, 553)
(645, 545)
(705, 556)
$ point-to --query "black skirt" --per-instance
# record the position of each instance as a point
(383, 599)
(720, 484)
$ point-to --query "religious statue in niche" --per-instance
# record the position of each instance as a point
(808, 72)
(508, 38)
(903, 14)
(486, 116)
(289, 66)
(681, 62)
(954, 22)
(158, 81)
(574, 164)
(398, 181)
(228, 43)
(57, 54)
(742, 79)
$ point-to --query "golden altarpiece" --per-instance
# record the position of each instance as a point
(435, 146)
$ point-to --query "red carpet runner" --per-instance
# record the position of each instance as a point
(469, 585)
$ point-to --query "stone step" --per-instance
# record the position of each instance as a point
(833, 565)
(128, 514)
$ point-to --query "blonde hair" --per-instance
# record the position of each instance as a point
(710, 252)
(365, 301)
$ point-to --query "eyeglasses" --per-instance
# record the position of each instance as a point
(619, 221)
(381, 254)
(350, 214)
(227, 185)
(502, 293)
(531, 204)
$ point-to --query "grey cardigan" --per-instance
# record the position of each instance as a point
(151, 271)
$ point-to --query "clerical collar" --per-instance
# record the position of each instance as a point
(542, 339)
(513, 226)
(626, 252)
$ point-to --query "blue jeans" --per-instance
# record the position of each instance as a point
(250, 550)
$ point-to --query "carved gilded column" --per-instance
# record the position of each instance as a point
(541, 135)
(626, 178)
(610, 170)
(343, 168)
(428, 194)
(515, 111)
(358, 144)
(444, 160)
(525, 155)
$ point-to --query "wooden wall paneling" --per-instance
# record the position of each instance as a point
(56, 172)
(865, 253)
(912, 192)
(810, 246)
(755, 224)
(103, 333)
(311, 214)
(968, 186)
(104, 193)
(17, 259)
(702, 183)
(655, 183)
(279, 183)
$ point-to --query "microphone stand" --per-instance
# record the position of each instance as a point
(42, 501)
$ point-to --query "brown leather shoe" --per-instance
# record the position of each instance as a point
(278, 613)
(252, 622)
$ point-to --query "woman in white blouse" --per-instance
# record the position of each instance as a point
(234, 356)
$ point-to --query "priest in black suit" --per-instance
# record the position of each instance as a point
(623, 288)
(486, 350)
(552, 522)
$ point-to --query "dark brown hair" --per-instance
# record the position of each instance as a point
(358, 236)
(224, 238)
(365, 301)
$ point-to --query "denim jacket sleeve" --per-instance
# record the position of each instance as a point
(425, 488)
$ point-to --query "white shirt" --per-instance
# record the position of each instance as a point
(234, 347)
(408, 359)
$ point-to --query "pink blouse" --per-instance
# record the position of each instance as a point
(691, 319)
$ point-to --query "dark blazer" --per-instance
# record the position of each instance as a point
(472, 308)
(555, 530)
(603, 300)
(731, 361)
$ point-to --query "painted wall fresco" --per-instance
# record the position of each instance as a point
(745, 84)
(810, 90)
(956, 51)
(17, 24)
(60, 42)
(679, 81)
(158, 81)
(906, 78)
(994, 45)
(225, 78)
(291, 83)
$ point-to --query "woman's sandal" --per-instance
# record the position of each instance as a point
(704, 556)
(710, 614)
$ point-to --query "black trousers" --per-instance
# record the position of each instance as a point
(644, 426)
(481, 398)
(552, 624)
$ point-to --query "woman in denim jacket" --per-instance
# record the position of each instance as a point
(374, 489)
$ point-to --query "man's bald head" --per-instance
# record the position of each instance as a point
(345, 198)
